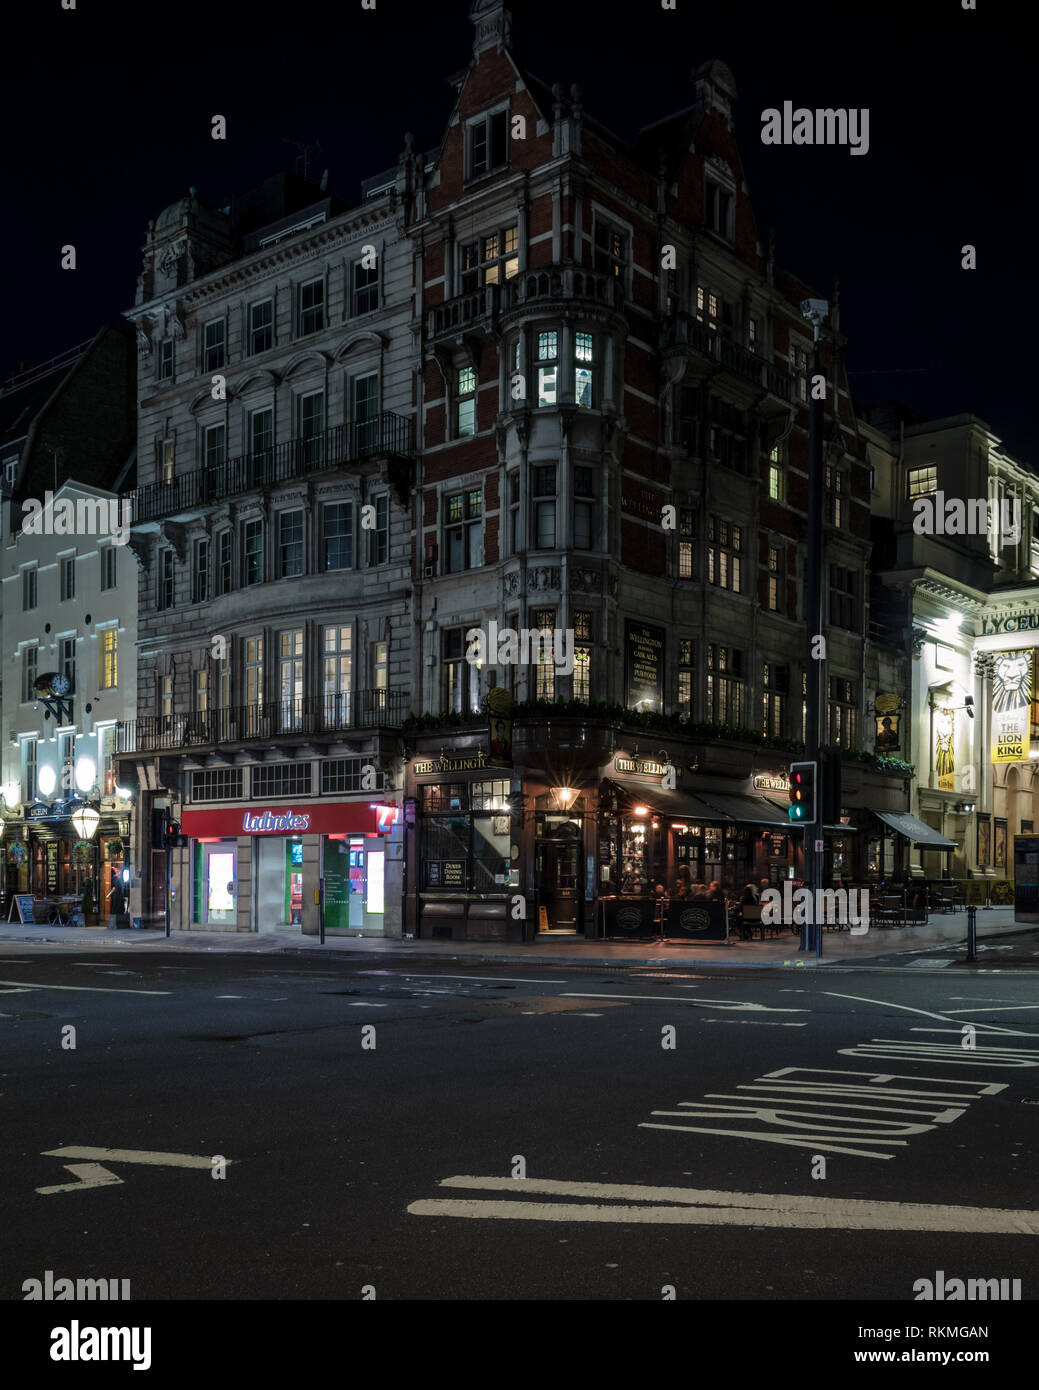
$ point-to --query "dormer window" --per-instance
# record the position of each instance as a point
(488, 143)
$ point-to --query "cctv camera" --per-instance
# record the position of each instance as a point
(814, 310)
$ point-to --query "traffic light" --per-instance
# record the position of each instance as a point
(174, 839)
(803, 778)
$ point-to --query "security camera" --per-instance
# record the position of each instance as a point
(815, 310)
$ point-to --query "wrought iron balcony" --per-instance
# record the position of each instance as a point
(683, 330)
(241, 724)
(387, 435)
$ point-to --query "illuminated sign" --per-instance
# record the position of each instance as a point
(268, 822)
(772, 784)
(385, 818)
(470, 763)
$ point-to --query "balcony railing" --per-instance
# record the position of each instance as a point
(233, 724)
(482, 306)
(684, 330)
(386, 434)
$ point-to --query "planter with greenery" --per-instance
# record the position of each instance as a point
(89, 909)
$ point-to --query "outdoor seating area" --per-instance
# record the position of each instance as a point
(58, 911)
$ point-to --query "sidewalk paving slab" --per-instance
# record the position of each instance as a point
(941, 932)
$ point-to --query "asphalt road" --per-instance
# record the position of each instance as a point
(388, 1160)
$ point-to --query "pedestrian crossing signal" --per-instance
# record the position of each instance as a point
(802, 792)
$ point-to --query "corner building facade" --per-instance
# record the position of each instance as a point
(614, 431)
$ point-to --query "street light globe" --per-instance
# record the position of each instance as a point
(85, 773)
(85, 822)
(46, 779)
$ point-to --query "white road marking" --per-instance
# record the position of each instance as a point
(89, 1175)
(690, 1206)
(927, 964)
(21, 990)
(757, 1022)
(163, 1160)
(230, 996)
(357, 1004)
(588, 1015)
(886, 1003)
(999, 1009)
(93, 964)
(86, 989)
(681, 999)
(987, 1030)
(504, 979)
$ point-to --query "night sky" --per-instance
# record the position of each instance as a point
(107, 113)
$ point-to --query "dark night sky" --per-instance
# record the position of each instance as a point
(107, 118)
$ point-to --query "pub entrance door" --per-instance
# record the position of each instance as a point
(558, 863)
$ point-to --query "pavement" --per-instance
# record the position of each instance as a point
(944, 933)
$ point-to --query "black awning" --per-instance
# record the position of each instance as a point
(915, 830)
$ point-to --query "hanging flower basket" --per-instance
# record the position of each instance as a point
(114, 848)
(17, 853)
(84, 851)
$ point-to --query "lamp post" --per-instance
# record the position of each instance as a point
(85, 821)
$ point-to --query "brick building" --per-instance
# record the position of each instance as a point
(605, 335)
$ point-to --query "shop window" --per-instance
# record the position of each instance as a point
(466, 836)
(216, 883)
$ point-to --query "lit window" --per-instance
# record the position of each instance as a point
(584, 358)
(922, 481)
(465, 404)
(109, 658)
(548, 368)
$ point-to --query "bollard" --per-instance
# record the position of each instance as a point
(972, 933)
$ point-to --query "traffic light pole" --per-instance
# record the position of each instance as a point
(815, 664)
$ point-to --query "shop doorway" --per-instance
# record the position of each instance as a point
(558, 861)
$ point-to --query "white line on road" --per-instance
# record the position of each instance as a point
(230, 996)
(20, 990)
(757, 1022)
(886, 1003)
(504, 979)
(165, 1160)
(87, 989)
(690, 1206)
(987, 1030)
(681, 999)
(93, 964)
(89, 1175)
(358, 1004)
(998, 1009)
